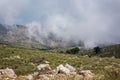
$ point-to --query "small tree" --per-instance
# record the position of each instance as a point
(73, 50)
(97, 49)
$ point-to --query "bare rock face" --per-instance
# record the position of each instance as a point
(8, 72)
(44, 69)
(87, 74)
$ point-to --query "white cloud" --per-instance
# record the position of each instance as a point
(94, 21)
(10, 10)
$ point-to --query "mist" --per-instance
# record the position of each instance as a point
(94, 22)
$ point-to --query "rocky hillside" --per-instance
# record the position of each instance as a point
(17, 35)
(28, 64)
(32, 37)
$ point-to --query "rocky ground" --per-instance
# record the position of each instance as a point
(44, 72)
(29, 64)
(67, 72)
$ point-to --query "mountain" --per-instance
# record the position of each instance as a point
(31, 37)
(3, 30)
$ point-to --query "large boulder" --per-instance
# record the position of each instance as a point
(44, 69)
(8, 72)
(62, 69)
(68, 69)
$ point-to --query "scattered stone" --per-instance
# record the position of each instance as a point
(32, 64)
(46, 62)
(15, 57)
(87, 74)
(55, 71)
(35, 74)
(44, 72)
(85, 56)
(108, 67)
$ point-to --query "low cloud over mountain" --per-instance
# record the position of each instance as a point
(62, 22)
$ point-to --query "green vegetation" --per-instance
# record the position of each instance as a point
(109, 51)
(24, 61)
(73, 50)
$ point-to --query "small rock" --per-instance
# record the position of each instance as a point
(47, 62)
(108, 67)
(78, 77)
(15, 57)
(113, 57)
(29, 77)
(85, 56)
(35, 74)
(86, 73)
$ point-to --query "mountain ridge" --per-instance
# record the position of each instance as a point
(20, 35)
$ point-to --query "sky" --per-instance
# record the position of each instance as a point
(92, 21)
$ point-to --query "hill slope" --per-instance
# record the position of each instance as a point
(32, 37)
(24, 61)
